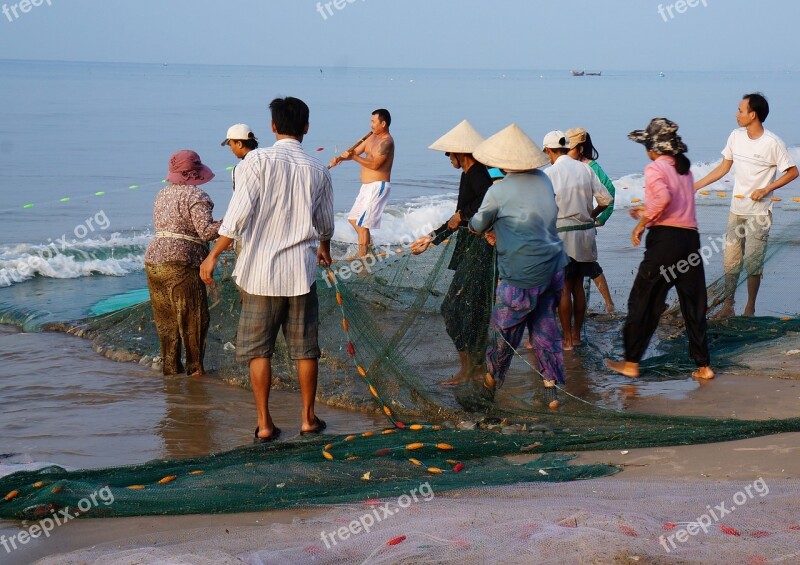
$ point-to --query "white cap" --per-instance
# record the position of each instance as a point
(555, 140)
(239, 132)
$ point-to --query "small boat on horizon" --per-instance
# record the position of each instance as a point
(586, 73)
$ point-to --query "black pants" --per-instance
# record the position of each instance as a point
(670, 253)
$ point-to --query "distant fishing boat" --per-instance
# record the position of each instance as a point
(586, 73)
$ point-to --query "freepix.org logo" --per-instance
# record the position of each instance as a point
(13, 12)
(326, 9)
(671, 11)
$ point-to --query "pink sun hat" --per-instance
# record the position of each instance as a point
(185, 167)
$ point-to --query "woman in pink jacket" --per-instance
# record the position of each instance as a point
(672, 257)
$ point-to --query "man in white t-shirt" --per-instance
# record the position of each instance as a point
(759, 155)
(576, 188)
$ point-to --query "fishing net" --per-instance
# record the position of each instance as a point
(393, 327)
(592, 522)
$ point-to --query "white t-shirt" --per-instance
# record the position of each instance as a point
(576, 187)
(756, 163)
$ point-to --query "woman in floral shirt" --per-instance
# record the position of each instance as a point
(184, 226)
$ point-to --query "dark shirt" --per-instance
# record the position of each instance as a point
(471, 190)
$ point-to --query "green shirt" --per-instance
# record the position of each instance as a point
(601, 174)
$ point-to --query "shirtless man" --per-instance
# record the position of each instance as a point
(376, 156)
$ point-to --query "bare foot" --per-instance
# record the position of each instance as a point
(576, 340)
(457, 379)
(749, 311)
(626, 368)
(703, 373)
(567, 345)
(725, 312)
(610, 308)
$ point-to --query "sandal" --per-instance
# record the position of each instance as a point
(321, 425)
(276, 433)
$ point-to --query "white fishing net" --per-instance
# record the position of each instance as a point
(600, 521)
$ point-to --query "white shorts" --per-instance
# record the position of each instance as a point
(370, 204)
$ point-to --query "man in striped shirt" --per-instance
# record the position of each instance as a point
(282, 211)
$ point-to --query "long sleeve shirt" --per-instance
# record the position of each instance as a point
(608, 183)
(184, 210)
(669, 196)
(522, 210)
(281, 209)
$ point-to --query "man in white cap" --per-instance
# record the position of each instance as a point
(576, 187)
(530, 258)
(241, 139)
(465, 306)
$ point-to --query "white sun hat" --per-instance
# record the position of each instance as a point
(461, 139)
(511, 150)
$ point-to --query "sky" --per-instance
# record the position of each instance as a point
(481, 34)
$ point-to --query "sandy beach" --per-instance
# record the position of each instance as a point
(656, 485)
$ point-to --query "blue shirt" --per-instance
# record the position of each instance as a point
(522, 210)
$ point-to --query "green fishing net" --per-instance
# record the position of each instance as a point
(392, 329)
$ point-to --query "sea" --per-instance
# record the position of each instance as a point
(84, 150)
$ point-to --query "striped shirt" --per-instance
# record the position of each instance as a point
(281, 209)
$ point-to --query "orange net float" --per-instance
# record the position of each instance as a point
(350, 438)
(368, 434)
(331, 276)
(415, 427)
(56, 489)
(136, 487)
(387, 432)
(361, 370)
(40, 484)
(345, 325)
(387, 411)
(373, 391)
(339, 300)
(327, 456)
(168, 479)
(705, 192)
(198, 472)
(416, 462)
(11, 496)
(415, 446)
(722, 194)
(444, 446)
(435, 470)
(738, 195)
(775, 199)
(796, 199)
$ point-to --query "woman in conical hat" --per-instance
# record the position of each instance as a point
(522, 211)
(465, 306)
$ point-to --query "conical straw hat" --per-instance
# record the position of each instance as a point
(511, 150)
(461, 139)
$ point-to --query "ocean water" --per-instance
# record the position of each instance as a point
(84, 148)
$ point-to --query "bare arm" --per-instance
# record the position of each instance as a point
(722, 169)
(377, 161)
(788, 176)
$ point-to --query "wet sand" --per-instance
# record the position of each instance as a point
(186, 417)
